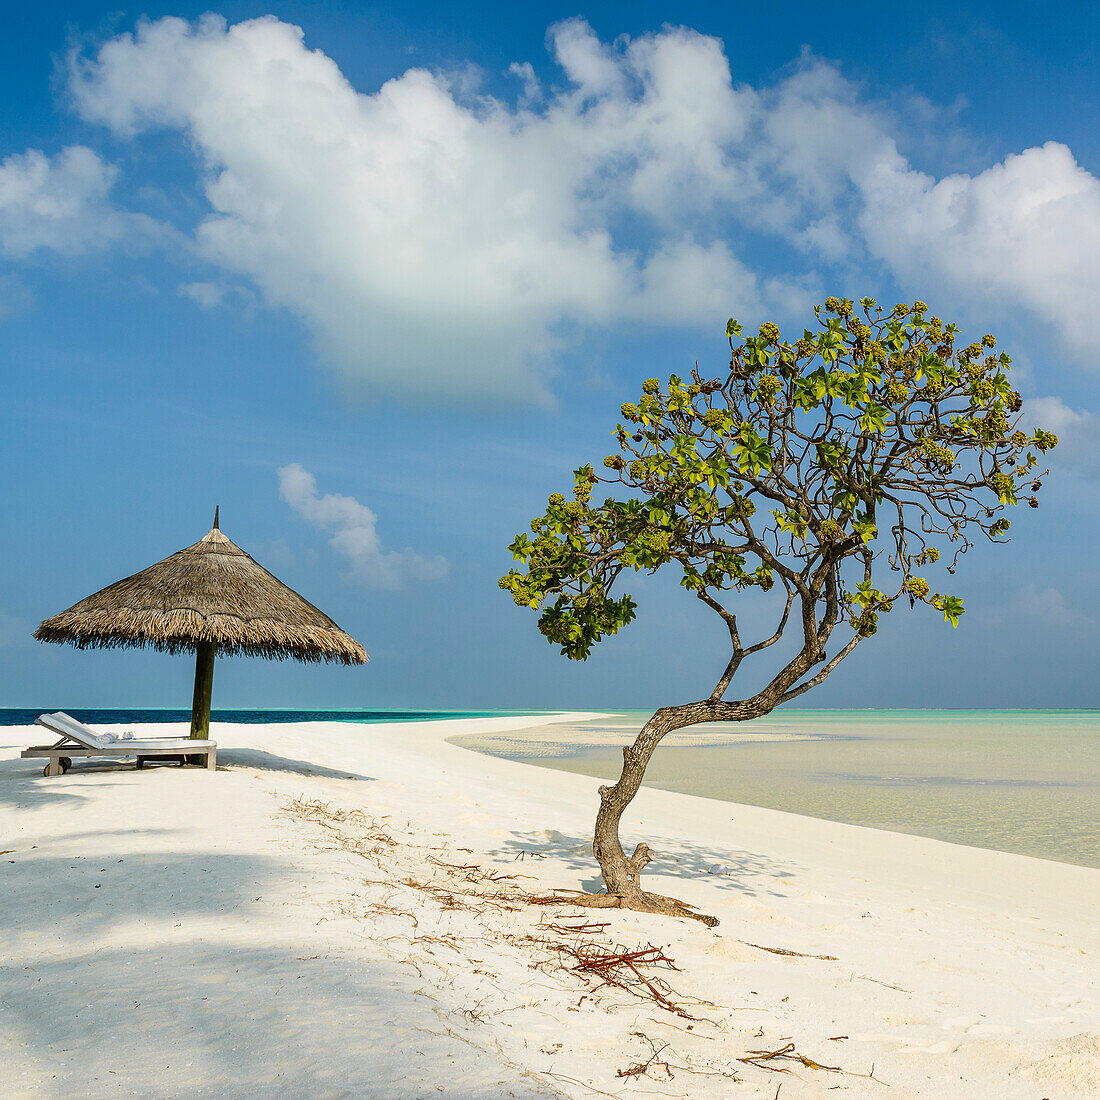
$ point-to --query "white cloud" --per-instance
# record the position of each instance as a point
(354, 533)
(1024, 233)
(1078, 432)
(208, 296)
(1053, 414)
(204, 295)
(1048, 606)
(434, 245)
(61, 204)
(438, 242)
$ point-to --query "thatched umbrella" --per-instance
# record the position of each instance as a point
(212, 598)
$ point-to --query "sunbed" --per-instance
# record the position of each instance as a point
(76, 739)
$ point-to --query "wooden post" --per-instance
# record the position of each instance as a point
(204, 684)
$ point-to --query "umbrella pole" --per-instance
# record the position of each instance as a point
(204, 685)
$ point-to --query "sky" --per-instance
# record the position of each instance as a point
(375, 278)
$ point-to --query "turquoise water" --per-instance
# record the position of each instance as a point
(1017, 781)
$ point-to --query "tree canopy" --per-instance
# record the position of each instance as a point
(875, 436)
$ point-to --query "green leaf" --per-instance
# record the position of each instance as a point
(865, 528)
(951, 606)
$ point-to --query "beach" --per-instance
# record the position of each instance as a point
(345, 911)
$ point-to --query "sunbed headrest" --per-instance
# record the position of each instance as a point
(60, 722)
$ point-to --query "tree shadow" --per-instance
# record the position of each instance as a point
(725, 868)
(233, 1021)
(262, 760)
(24, 787)
(82, 894)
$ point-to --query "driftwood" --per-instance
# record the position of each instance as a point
(889, 985)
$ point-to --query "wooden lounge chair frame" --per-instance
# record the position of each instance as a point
(77, 740)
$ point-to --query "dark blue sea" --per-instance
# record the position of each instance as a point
(14, 716)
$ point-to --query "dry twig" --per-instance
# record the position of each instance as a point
(641, 1069)
(784, 951)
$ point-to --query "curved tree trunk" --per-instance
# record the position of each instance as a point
(622, 873)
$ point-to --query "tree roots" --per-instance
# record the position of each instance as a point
(640, 902)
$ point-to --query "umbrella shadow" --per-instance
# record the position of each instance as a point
(269, 761)
(725, 868)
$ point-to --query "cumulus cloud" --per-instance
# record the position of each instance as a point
(1025, 231)
(438, 242)
(354, 534)
(62, 204)
(1022, 234)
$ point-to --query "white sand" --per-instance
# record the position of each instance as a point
(176, 933)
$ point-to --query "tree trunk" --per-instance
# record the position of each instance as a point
(621, 873)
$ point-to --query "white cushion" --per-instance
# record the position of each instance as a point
(60, 722)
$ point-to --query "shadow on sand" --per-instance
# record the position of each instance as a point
(223, 994)
(269, 762)
(725, 868)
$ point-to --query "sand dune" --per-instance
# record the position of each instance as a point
(333, 914)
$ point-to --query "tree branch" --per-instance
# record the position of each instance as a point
(820, 676)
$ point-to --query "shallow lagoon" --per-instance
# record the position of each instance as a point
(1018, 781)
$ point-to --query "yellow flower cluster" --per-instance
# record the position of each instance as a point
(897, 393)
(767, 386)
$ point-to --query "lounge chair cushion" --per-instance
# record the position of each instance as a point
(62, 723)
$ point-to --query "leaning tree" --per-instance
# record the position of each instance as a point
(826, 468)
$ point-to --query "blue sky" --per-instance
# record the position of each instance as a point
(376, 278)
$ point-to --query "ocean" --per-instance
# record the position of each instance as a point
(14, 716)
(1014, 780)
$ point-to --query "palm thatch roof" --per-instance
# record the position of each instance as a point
(209, 592)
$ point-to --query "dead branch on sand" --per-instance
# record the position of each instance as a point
(788, 1053)
(784, 951)
(622, 969)
(641, 1069)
